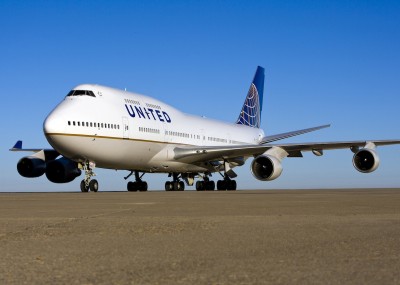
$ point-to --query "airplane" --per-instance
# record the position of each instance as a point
(99, 126)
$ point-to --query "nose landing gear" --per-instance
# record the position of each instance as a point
(86, 183)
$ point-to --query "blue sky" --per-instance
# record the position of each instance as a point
(326, 62)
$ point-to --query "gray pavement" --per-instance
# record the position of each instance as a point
(241, 237)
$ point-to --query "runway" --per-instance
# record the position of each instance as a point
(239, 237)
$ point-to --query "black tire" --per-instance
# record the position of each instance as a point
(219, 185)
(232, 185)
(210, 185)
(167, 186)
(181, 186)
(129, 186)
(83, 187)
(223, 185)
(200, 186)
(143, 186)
(94, 185)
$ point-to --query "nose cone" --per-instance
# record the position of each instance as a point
(51, 124)
(53, 127)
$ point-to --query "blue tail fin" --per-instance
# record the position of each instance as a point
(252, 107)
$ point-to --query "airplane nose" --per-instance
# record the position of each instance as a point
(50, 124)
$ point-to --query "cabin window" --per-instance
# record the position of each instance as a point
(69, 123)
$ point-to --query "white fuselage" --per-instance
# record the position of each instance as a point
(117, 129)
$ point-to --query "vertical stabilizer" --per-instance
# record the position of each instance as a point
(252, 107)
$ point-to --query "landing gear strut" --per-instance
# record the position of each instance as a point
(138, 185)
(176, 184)
(86, 183)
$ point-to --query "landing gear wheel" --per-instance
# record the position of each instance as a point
(138, 184)
(221, 185)
(199, 186)
(181, 186)
(168, 186)
(94, 185)
(231, 185)
(176, 186)
(209, 185)
(142, 186)
(83, 186)
(131, 186)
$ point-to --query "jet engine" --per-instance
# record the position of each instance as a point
(31, 166)
(62, 170)
(366, 160)
(266, 167)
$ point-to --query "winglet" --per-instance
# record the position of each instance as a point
(17, 146)
(252, 107)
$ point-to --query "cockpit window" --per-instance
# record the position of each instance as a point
(81, 93)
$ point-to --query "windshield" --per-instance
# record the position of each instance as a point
(81, 93)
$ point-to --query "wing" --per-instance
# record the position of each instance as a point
(273, 138)
(208, 153)
(50, 154)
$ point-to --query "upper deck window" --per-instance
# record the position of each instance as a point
(81, 93)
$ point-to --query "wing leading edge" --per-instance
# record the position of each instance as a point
(200, 154)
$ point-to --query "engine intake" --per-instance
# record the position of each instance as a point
(62, 170)
(31, 166)
(366, 160)
(266, 167)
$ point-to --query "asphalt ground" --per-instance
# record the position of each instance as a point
(239, 237)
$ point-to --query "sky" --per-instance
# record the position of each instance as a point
(334, 62)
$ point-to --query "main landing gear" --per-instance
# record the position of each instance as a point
(176, 184)
(205, 185)
(226, 184)
(138, 184)
(86, 183)
(208, 185)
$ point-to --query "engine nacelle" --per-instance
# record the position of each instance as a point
(366, 160)
(31, 166)
(266, 167)
(62, 170)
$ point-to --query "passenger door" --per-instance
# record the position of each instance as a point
(125, 127)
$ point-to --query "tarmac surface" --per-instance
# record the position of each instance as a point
(236, 237)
